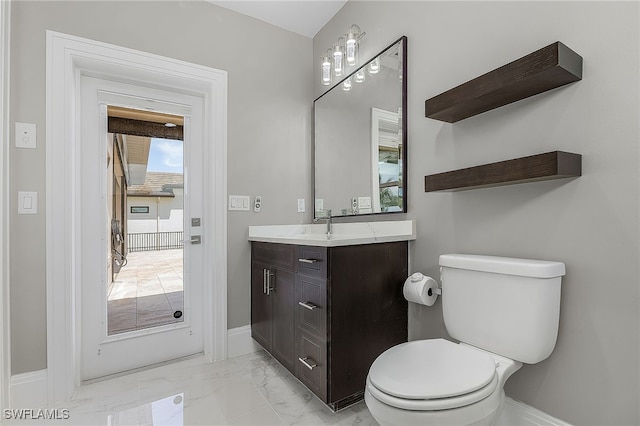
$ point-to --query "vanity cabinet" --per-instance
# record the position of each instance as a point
(346, 308)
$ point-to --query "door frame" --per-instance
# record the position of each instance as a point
(68, 58)
(5, 365)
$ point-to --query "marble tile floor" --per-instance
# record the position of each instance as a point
(252, 389)
(147, 291)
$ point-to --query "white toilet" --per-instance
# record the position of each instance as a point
(504, 312)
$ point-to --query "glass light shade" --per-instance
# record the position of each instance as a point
(351, 48)
(360, 76)
(374, 66)
(338, 57)
(346, 86)
(325, 65)
(351, 45)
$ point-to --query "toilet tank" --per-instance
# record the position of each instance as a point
(507, 306)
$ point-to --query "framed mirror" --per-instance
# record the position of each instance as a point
(360, 139)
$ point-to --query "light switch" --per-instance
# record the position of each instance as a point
(301, 207)
(25, 135)
(239, 202)
(27, 202)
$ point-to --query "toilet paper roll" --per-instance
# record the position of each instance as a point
(420, 289)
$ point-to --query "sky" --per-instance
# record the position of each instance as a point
(165, 155)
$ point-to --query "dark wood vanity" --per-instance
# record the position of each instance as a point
(326, 313)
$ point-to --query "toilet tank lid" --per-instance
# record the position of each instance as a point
(504, 265)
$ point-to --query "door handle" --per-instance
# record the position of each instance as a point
(269, 287)
(264, 280)
(196, 239)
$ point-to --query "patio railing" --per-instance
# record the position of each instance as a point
(151, 241)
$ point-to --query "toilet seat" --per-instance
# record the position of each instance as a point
(433, 374)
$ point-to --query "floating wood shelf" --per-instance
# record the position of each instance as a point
(550, 165)
(545, 69)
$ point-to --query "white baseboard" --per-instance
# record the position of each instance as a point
(29, 390)
(239, 342)
(516, 413)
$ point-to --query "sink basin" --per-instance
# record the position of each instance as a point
(343, 234)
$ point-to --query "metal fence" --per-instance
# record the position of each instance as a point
(151, 241)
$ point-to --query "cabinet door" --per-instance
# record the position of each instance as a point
(282, 296)
(260, 306)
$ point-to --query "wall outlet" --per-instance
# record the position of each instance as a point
(25, 135)
(364, 202)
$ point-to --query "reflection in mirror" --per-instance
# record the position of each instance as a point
(360, 139)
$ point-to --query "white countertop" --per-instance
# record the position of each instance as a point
(343, 234)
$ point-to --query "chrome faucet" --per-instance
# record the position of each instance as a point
(327, 219)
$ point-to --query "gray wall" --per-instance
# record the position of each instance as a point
(590, 223)
(268, 128)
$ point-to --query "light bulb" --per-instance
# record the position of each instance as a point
(360, 76)
(326, 71)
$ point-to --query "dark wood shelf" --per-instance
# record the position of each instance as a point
(550, 165)
(545, 69)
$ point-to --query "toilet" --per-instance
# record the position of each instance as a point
(503, 311)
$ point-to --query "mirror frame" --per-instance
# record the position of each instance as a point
(403, 50)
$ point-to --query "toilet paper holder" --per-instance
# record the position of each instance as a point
(421, 289)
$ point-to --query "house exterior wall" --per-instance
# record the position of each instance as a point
(165, 214)
(590, 223)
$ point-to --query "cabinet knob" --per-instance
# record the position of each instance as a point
(310, 365)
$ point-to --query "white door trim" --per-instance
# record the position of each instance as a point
(69, 57)
(5, 366)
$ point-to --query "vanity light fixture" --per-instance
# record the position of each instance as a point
(360, 76)
(325, 64)
(342, 54)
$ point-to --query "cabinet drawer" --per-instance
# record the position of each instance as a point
(275, 255)
(312, 261)
(311, 304)
(311, 369)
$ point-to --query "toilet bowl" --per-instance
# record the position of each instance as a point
(437, 382)
(503, 311)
